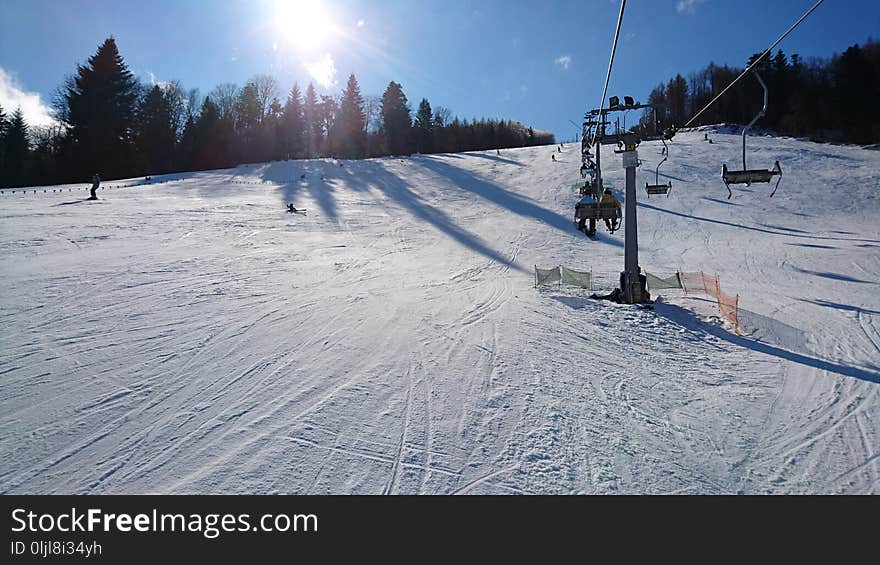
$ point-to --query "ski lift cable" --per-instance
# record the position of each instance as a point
(755, 63)
(610, 64)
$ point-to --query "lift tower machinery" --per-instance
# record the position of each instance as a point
(632, 282)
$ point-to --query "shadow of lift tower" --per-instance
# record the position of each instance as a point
(632, 282)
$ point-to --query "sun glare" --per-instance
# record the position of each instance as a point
(305, 23)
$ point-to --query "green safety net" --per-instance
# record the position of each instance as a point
(547, 276)
(657, 283)
(576, 278)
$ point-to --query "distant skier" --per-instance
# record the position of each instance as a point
(292, 210)
(498, 152)
(553, 157)
(96, 182)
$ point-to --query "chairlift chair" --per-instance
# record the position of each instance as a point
(588, 209)
(747, 176)
(658, 188)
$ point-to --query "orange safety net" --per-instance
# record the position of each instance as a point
(701, 283)
(729, 307)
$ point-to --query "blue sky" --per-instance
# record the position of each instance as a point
(542, 63)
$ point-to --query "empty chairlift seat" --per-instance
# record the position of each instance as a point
(658, 188)
(748, 176)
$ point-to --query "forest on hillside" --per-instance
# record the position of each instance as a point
(824, 99)
(110, 123)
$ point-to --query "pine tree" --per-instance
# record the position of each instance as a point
(350, 125)
(249, 116)
(855, 88)
(327, 111)
(677, 96)
(396, 121)
(293, 125)
(99, 109)
(424, 127)
(154, 133)
(16, 149)
(312, 119)
(186, 149)
(270, 146)
(213, 138)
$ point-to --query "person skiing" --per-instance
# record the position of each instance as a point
(608, 198)
(553, 157)
(96, 182)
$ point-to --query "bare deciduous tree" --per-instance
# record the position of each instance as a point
(225, 96)
(266, 88)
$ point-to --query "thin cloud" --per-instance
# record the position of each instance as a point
(687, 6)
(323, 70)
(361, 23)
(564, 62)
(14, 96)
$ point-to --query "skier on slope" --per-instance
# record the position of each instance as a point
(96, 182)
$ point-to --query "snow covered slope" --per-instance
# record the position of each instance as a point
(192, 337)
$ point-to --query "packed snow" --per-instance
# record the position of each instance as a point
(191, 336)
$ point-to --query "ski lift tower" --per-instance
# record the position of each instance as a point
(632, 282)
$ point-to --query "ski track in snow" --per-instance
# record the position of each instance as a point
(193, 337)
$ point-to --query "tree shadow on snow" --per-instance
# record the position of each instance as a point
(688, 320)
(782, 228)
(812, 246)
(668, 176)
(497, 158)
(399, 191)
(833, 276)
(719, 201)
(317, 178)
(751, 228)
(840, 306)
(515, 203)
